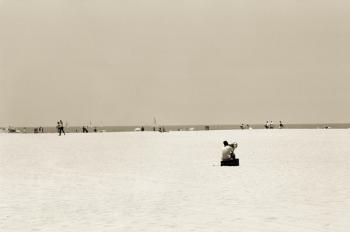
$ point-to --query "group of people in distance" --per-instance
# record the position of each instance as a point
(60, 128)
(36, 130)
(242, 126)
(269, 125)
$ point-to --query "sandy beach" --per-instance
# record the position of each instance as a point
(289, 180)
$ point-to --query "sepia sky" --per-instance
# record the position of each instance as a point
(184, 62)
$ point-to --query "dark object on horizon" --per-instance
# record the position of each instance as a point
(95, 130)
(206, 127)
(62, 128)
(142, 128)
(281, 125)
(242, 126)
(85, 130)
(267, 125)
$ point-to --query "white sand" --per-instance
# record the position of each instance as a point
(289, 180)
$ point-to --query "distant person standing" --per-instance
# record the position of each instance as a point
(267, 125)
(58, 127)
(61, 128)
(85, 130)
(271, 125)
(281, 125)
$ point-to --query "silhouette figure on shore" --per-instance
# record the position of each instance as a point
(281, 125)
(60, 128)
(85, 130)
(267, 125)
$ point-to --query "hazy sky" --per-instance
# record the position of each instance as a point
(183, 62)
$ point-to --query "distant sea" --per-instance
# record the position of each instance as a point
(78, 129)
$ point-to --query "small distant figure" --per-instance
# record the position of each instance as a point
(267, 125)
(60, 128)
(271, 125)
(95, 130)
(85, 130)
(281, 125)
(242, 126)
(142, 128)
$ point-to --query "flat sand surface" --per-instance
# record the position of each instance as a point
(289, 180)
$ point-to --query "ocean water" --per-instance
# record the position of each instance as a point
(78, 129)
(288, 180)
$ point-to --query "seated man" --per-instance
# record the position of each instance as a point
(228, 151)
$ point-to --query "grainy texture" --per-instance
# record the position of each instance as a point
(289, 180)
